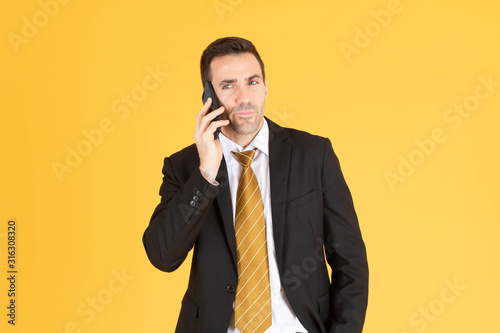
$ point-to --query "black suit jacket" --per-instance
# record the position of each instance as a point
(313, 220)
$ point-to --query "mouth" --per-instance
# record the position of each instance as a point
(245, 113)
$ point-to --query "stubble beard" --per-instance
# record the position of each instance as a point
(246, 126)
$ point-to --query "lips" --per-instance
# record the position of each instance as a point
(244, 113)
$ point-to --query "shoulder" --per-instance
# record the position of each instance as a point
(298, 139)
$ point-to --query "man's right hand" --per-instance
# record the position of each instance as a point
(209, 149)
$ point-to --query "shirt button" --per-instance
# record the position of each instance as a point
(230, 288)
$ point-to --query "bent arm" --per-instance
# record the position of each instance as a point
(177, 220)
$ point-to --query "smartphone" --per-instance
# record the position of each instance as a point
(209, 92)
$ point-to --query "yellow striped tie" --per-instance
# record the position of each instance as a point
(252, 305)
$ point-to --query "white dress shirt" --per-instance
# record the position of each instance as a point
(283, 317)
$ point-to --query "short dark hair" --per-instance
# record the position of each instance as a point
(225, 46)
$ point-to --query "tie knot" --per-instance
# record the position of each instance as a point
(245, 157)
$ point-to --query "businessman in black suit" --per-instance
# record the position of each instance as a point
(308, 210)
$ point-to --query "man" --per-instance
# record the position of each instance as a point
(242, 279)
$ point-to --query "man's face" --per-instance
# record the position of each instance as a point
(240, 88)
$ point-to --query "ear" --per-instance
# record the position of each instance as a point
(265, 85)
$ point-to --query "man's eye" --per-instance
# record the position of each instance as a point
(227, 86)
(254, 82)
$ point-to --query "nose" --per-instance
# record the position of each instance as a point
(243, 95)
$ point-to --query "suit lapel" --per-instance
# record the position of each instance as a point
(226, 210)
(279, 168)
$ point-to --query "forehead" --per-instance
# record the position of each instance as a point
(234, 66)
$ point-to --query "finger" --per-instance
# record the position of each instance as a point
(212, 115)
(214, 124)
(203, 110)
(205, 121)
(206, 106)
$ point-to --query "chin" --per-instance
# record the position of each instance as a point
(245, 125)
(246, 128)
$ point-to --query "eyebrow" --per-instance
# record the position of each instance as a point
(255, 76)
(228, 81)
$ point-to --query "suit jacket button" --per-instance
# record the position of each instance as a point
(198, 193)
(192, 203)
(230, 288)
(195, 198)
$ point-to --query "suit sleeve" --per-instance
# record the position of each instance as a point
(177, 220)
(345, 250)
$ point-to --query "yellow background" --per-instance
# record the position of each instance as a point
(439, 226)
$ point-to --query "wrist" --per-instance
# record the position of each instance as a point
(209, 176)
